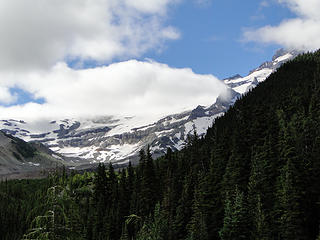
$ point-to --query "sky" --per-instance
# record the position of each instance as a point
(80, 58)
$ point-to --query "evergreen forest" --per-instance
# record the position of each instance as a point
(254, 175)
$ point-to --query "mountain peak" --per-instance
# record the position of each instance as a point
(280, 52)
(233, 77)
(118, 139)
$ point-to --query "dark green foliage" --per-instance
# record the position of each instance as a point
(197, 226)
(255, 175)
(155, 228)
(235, 224)
(19, 201)
(148, 184)
(25, 149)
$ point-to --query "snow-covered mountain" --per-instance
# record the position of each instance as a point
(118, 139)
(244, 84)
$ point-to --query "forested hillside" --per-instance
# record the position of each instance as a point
(255, 175)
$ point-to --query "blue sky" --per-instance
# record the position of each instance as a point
(211, 40)
(211, 36)
(79, 54)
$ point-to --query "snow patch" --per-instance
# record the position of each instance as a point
(34, 164)
(283, 58)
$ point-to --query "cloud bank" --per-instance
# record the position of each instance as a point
(37, 34)
(125, 88)
(301, 33)
(39, 38)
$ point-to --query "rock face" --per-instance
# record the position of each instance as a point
(18, 157)
(118, 139)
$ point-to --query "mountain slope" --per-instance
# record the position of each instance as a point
(255, 175)
(117, 139)
(264, 160)
(18, 157)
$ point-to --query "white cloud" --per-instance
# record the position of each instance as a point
(38, 37)
(125, 88)
(154, 6)
(302, 32)
(6, 96)
(36, 34)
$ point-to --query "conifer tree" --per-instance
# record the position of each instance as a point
(260, 193)
(236, 225)
(154, 228)
(148, 182)
(197, 226)
(291, 218)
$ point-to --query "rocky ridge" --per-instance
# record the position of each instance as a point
(119, 139)
(18, 157)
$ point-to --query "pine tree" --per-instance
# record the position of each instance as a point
(54, 223)
(197, 227)
(100, 184)
(183, 214)
(290, 192)
(236, 225)
(291, 217)
(148, 182)
(154, 228)
(260, 193)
